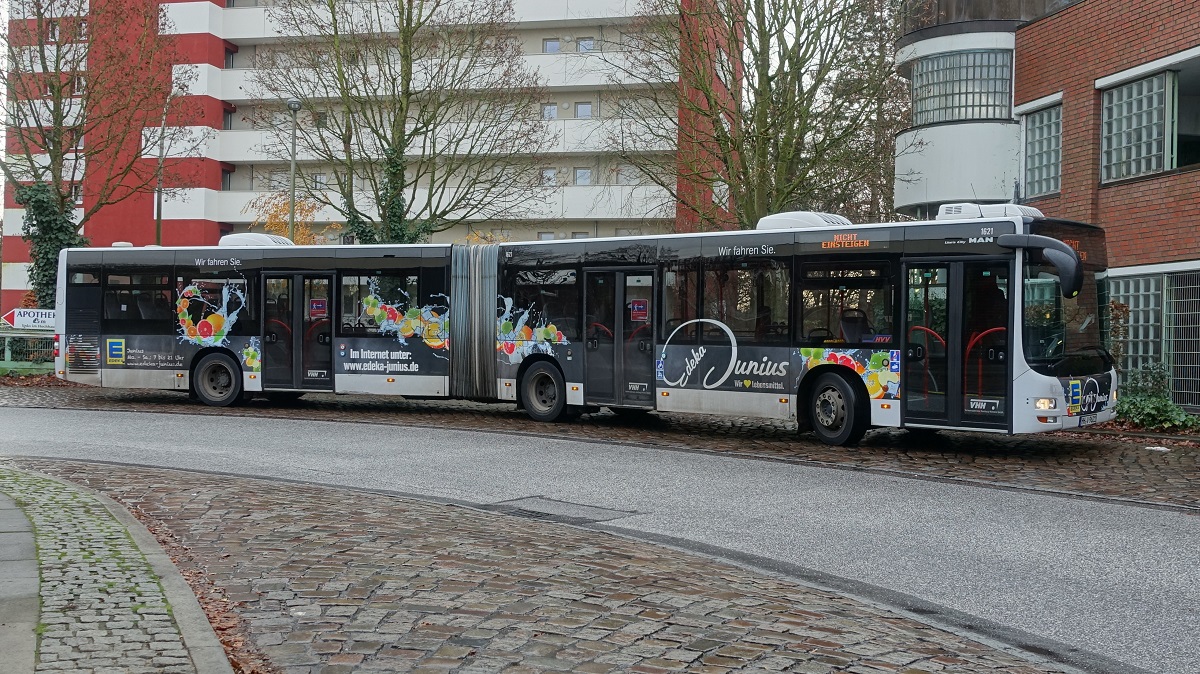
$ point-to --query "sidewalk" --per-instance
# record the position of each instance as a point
(312, 579)
(108, 599)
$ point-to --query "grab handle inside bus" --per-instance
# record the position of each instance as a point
(1063, 257)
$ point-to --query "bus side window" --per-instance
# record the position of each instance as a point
(138, 301)
(751, 298)
(845, 303)
(681, 298)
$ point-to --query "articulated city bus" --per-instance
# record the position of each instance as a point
(990, 318)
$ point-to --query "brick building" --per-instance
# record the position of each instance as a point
(1103, 126)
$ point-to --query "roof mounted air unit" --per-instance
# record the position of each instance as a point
(796, 219)
(968, 211)
(254, 239)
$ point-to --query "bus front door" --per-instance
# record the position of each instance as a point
(956, 353)
(297, 332)
(619, 338)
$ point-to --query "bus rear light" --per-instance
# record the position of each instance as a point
(1048, 420)
(1045, 404)
(56, 347)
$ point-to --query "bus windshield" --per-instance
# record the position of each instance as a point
(1065, 337)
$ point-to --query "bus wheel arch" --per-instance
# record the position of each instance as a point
(542, 390)
(835, 405)
(216, 378)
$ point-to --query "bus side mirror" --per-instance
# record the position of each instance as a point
(1064, 258)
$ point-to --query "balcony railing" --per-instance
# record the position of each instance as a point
(919, 14)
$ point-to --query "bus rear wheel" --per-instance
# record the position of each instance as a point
(218, 381)
(544, 392)
(835, 411)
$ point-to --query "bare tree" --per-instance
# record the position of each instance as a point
(78, 107)
(770, 105)
(420, 114)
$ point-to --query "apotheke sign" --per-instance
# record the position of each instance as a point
(30, 319)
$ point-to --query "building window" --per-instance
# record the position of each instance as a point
(321, 120)
(1043, 151)
(628, 231)
(583, 176)
(583, 110)
(551, 45)
(52, 32)
(228, 59)
(585, 44)
(627, 174)
(227, 120)
(77, 194)
(580, 235)
(1136, 134)
(226, 180)
(550, 176)
(320, 182)
(545, 236)
(549, 110)
(962, 85)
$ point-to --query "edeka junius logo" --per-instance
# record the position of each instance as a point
(115, 351)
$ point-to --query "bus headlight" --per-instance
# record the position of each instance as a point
(1045, 404)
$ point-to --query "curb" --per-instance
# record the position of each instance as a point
(203, 646)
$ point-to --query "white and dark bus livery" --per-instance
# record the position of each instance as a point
(989, 318)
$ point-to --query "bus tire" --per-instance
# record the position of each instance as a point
(836, 412)
(218, 380)
(544, 392)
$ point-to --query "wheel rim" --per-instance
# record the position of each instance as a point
(830, 409)
(217, 381)
(543, 394)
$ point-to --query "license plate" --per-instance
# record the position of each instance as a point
(1087, 419)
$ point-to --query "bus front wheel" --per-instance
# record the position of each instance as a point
(835, 411)
(218, 381)
(544, 392)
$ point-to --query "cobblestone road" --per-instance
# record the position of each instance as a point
(1084, 463)
(102, 607)
(335, 580)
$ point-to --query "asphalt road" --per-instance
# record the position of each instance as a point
(1119, 581)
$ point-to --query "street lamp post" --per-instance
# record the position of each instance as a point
(158, 191)
(293, 105)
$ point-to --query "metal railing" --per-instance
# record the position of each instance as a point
(26, 352)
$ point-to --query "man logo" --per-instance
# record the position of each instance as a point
(115, 350)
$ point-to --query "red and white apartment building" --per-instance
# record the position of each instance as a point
(1084, 109)
(597, 195)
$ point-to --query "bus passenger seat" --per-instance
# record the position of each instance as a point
(854, 325)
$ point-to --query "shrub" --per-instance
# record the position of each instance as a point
(1145, 401)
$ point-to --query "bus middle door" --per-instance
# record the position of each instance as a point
(619, 338)
(297, 332)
